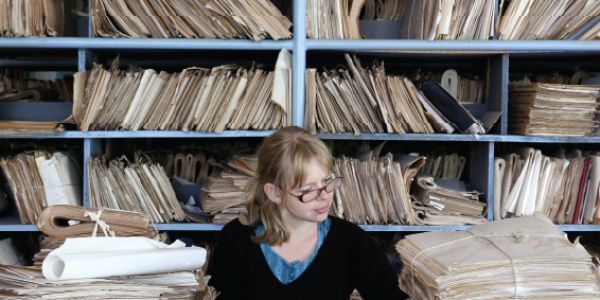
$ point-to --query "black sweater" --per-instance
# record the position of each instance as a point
(348, 259)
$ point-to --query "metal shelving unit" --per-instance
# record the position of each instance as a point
(82, 51)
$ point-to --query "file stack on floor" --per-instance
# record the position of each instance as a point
(562, 186)
(522, 258)
(552, 109)
(224, 195)
(130, 266)
(39, 179)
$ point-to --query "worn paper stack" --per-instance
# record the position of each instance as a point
(367, 100)
(115, 268)
(209, 19)
(141, 187)
(552, 109)
(39, 179)
(444, 166)
(548, 20)
(204, 100)
(224, 194)
(447, 202)
(562, 186)
(523, 258)
(34, 18)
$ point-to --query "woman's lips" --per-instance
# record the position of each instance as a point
(322, 210)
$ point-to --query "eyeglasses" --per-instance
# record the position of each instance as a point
(332, 184)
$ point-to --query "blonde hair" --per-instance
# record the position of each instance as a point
(283, 161)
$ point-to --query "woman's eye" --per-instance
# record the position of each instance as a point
(304, 191)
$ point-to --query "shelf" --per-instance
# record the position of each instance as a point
(13, 223)
(144, 134)
(140, 44)
(450, 46)
(459, 138)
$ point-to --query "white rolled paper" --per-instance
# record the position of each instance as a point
(81, 258)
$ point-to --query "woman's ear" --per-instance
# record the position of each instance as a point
(273, 193)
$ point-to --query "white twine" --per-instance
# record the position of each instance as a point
(486, 237)
(96, 218)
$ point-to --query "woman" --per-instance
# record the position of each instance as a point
(287, 246)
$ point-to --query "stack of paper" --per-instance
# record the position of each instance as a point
(223, 195)
(367, 100)
(447, 201)
(34, 17)
(423, 19)
(226, 97)
(547, 20)
(552, 109)
(447, 166)
(8, 128)
(563, 187)
(39, 179)
(117, 268)
(524, 258)
(140, 187)
(212, 19)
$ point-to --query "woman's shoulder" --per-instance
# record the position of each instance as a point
(346, 228)
(234, 230)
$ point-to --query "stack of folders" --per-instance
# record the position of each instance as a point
(34, 17)
(367, 100)
(55, 222)
(423, 19)
(547, 20)
(39, 179)
(226, 97)
(524, 258)
(191, 167)
(63, 86)
(448, 166)
(563, 187)
(139, 187)
(447, 201)
(209, 19)
(552, 109)
(224, 192)
(389, 10)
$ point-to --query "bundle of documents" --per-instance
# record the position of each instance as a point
(117, 268)
(34, 17)
(449, 20)
(8, 128)
(423, 19)
(448, 166)
(552, 109)
(447, 202)
(375, 189)
(524, 258)
(226, 97)
(547, 20)
(368, 100)
(141, 187)
(223, 195)
(191, 167)
(39, 179)
(209, 19)
(563, 187)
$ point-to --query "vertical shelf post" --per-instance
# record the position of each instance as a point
(482, 172)
(299, 62)
(498, 98)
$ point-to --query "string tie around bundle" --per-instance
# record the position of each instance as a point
(96, 218)
(516, 235)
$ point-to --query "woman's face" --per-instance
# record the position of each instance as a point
(313, 211)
